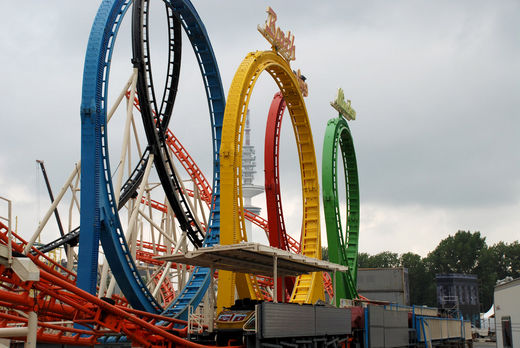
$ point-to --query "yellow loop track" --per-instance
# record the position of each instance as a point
(308, 288)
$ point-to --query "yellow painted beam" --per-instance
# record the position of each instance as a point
(309, 288)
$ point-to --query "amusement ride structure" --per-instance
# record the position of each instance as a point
(145, 291)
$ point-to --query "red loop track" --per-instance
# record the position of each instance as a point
(278, 236)
(277, 232)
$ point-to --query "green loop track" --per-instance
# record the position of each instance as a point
(343, 247)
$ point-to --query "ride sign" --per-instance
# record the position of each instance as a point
(281, 42)
(343, 107)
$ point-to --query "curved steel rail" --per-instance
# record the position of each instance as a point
(152, 124)
(343, 248)
(185, 13)
(129, 188)
(309, 288)
(128, 191)
(279, 238)
(60, 302)
(141, 27)
(71, 238)
(99, 219)
(99, 212)
(277, 232)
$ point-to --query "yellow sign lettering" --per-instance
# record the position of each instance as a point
(282, 43)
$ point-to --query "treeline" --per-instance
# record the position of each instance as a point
(465, 252)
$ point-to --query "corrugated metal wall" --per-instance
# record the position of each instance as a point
(279, 320)
(384, 284)
(387, 328)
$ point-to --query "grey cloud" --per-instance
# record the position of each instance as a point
(434, 85)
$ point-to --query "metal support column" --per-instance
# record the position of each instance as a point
(334, 288)
(212, 299)
(32, 330)
(275, 278)
(9, 229)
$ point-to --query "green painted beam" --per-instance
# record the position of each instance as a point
(343, 245)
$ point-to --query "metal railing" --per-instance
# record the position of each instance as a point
(9, 229)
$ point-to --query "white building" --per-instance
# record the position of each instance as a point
(507, 313)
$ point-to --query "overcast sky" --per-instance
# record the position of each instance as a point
(434, 84)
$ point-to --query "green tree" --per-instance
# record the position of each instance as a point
(513, 254)
(385, 259)
(457, 254)
(325, 253)
(496, 262)
(487, 276)
(507, 259)
(363, 260)
(420, 281)
(467, 253)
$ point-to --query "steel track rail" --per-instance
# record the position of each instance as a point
(129, 188)
(57, 298)
(99, 213)
(152, 124)
(279, 238)
(185, 13)
(93, 116)
(309, 288)
(70, 239)
(163, 114)
(343, 247)
(277, 232)
(99, 218)
(127, 191)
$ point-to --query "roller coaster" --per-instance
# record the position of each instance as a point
(142, 291)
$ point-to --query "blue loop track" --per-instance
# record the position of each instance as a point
(99, 217)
